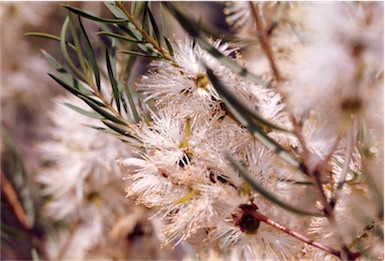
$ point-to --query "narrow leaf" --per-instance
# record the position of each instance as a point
(117, 129)
(267, 194)
(131, 101)
(109, 131)
(164, 23)
(74, 90)
(131, 31)
(154, 26)
(35, 254)
(248, 122)
(169, 46)
(66, 75)
(145, 26)
(85, 113)
(51, 37)
(68, 87)
(101, 111)
(118, 36)
(92, 17)
(90, 53)
(138, 54)
(114, 84)
(241, 107)
(66, 56)
(79, 51)
(115, 10)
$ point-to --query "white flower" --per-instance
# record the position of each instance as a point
(184, 173)
(187, 86)
(83, 179)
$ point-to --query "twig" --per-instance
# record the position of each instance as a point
(264, 39)
(296, 235)
(11, 198)
(139, 28)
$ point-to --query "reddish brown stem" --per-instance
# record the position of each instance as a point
(298, 236)
(10, 196)
(265, 42)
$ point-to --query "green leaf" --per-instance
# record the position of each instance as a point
(117, 129)
(85, 113)
(118, 36)
(66, 56)
(11, 231)
(267, 194)
(131, 31)
(145, 26)
(241, 107)
(68, 87)
(109, 131)
(131, 101)
(90, 54)
(74, 90)
(248, 122)
(115, 10)
(163, 19)
(35, 255)
(138, 54)
(67, 76)
(51, 37)
(169, 46)
(79, 52)
(114, 84)
(188, 25)
(101, 111)
(92, 17)
(154, 25)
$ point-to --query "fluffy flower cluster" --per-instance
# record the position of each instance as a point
(183, 170)
(83, 183)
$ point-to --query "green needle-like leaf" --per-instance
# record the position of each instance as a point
(108, 131)
(118, 36)
(163, 20)
(138, 54)
(66, 56)
(131, 31)
(268, 195)
(131, 101)
(68, 87)
(117, 129)
(115, 10)
(241, 107)
(188, 25)
(114, 84)
(101, 111)
(75, 91)
(92, 17)
(247, 121)
(85, 113)
(90, 53)
(66, 75)
(154, 26)
(51, 37)
(169, 46)
(79, 52)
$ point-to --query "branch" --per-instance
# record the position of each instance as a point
(12, 199)
(139, 28)
(296, 235)
(264, 39)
